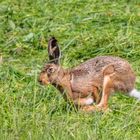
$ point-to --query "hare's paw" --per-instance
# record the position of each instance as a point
(92, 108)
(89, 108)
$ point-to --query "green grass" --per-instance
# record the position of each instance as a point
(85, 29)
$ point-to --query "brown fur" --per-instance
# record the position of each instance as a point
(96, 78)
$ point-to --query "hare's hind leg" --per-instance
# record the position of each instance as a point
(103, 104)
(107, 88)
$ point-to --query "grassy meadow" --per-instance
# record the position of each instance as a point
(84, 29)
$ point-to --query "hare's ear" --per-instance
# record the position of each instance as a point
(53, 51)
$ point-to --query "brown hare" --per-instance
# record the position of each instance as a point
(92, 81)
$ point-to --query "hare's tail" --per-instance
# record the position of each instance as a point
(135, 93)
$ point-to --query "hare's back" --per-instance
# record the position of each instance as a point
(98, 63)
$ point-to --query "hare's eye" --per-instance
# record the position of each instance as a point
(50, 70)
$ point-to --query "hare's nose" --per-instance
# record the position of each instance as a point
(40, 81)
(43, 81)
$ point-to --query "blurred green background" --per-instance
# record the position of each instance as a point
(84, 29)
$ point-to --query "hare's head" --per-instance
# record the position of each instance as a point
(49, 74)
(50, 71)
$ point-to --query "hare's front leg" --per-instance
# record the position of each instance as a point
(88, 100)
(96, 95)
